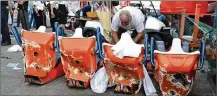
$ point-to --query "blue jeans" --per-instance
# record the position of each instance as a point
(32, 20)
(161, 17)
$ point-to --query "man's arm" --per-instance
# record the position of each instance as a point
(115, 36)
(139, 28)
(114, 27)
(52, 3)
(10, 7)
(138, 37)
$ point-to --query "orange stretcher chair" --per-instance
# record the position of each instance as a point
(126, 73)
(175, 70)
(177, 6)
(41, 61)
(79, 59)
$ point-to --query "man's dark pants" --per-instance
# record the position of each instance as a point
(4, 24)
(24, 17)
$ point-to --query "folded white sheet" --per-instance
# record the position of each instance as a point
(126, 47)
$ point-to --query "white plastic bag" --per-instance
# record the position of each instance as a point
(99, 82)
(126, 47)
(148, 85)
(154, 23)
(14, 48)
(47, 19)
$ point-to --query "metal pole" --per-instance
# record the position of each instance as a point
(154, 8)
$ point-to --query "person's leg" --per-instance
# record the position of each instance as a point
(44, 18)
(27, 19)
(37, 21)
(24, 19)
(31, 20)
(9, 22)
(53, 19)
(12, 18)
(62, 15)
(62, 21)
(4, 28)
(18, 18)
(40, 18)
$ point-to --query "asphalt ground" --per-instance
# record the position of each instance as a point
(12, 80)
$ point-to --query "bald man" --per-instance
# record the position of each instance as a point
(129, 19)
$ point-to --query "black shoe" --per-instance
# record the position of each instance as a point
(6, 43)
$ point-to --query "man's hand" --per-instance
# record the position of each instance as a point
(11, 12)
(138, 37)
(115, 37)
(52, 15)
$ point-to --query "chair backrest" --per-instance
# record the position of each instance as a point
(176, 49)
(41, 29)
(38, 47)
(78, 33)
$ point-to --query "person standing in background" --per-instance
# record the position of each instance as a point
(23, 14)
(39, 14)
(31, 14)
(62, 12)
(53, 13)
(4, 22)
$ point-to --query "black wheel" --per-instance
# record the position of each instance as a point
(76, 24)
(155, 36)
(89, 31)
(167, 40)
